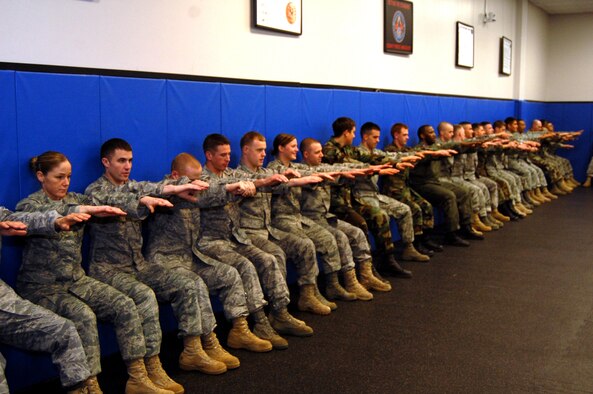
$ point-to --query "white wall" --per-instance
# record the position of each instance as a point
(342, 43)
(570, 58)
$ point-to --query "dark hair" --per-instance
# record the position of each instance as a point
(46, 161)
(476, 126)
(422, 129)
(341, 125)
(484, 123)
(510, 120)
(397, 128)
(251, 136)
(282, 139)
(306, 143)
(213, 141)
(464, 122)
(498, 123)
(368, 127)
(109, 147)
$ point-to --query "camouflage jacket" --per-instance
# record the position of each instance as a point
(427, 170)
(256, 211)
(315, 200)
(222, 221)
(287, 206)
(56, 258)
(117, 241)
(173, 232)
(394, 185)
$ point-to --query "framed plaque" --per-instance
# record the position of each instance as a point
(506, 55)
(464, 53)
(398, 27)
(284, 16)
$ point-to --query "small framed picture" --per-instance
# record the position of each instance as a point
(284, 16)
(464, 53)
(398, 27)
(506, 55)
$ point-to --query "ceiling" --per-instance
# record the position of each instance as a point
(564, 6)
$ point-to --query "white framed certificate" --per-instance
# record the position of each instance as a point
(506, 55)
(464, 56)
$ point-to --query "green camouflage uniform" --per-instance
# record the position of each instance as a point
(172, 234)
(352, 242)
(343, 203)
(470, 167)
(454, 201)
(494, 168)
(222, 238)
(51, 276)
(116, 259)
(398, 187)
(286, 216)
(31, 327)
(256, 221)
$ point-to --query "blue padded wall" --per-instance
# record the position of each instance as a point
(160, 118)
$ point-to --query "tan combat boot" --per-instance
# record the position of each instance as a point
(216, 352)
(564, 186)
(309, 303)
(92, 385)
(557, 190)
(478, 225)
(499, 216)
(332, 305)
(82, 388)
(532, 199)
(574, 182)
(523, 209)
(194, 358)
(587, 182)
(240, 337)
(549, 194)
(286, 324)
(159, 377)
(353, 286)
(411, 254)
(540, 194)
(138, 381)
(334, 289)
(264, 330)
(368, 279)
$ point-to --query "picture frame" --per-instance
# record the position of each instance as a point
(506, 56)
(464, 52)
(398, 27)
(280, 16)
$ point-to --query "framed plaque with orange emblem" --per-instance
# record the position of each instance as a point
(398, 27)
(284, 16)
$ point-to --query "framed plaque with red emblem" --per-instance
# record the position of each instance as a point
(284, 16)
(398, 27)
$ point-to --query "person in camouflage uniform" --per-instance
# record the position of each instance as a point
(286, 215)
(116, 259)
(51, 274)
(398, 187)
(31, 327)
(222, 238)
(352, 242)
(366, 190)
(339, 149)
(451, 174)
(256, 221)
(453, 200)
(172, 235)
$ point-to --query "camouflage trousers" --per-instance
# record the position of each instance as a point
(422, 212)
(84, 302)
(325, 243)
(453, 200)
(349, 215)
(507, 183)
(250, 261)
(477, 200)
(490, 190)
(300, 251)
(549, 167)
(528, 176)
(397, 210)
(3, 382)
(31, 327)
(541, 177)
(378, 224)
(352, 242)
(142, 286)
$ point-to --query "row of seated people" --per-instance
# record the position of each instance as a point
(230, 233)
